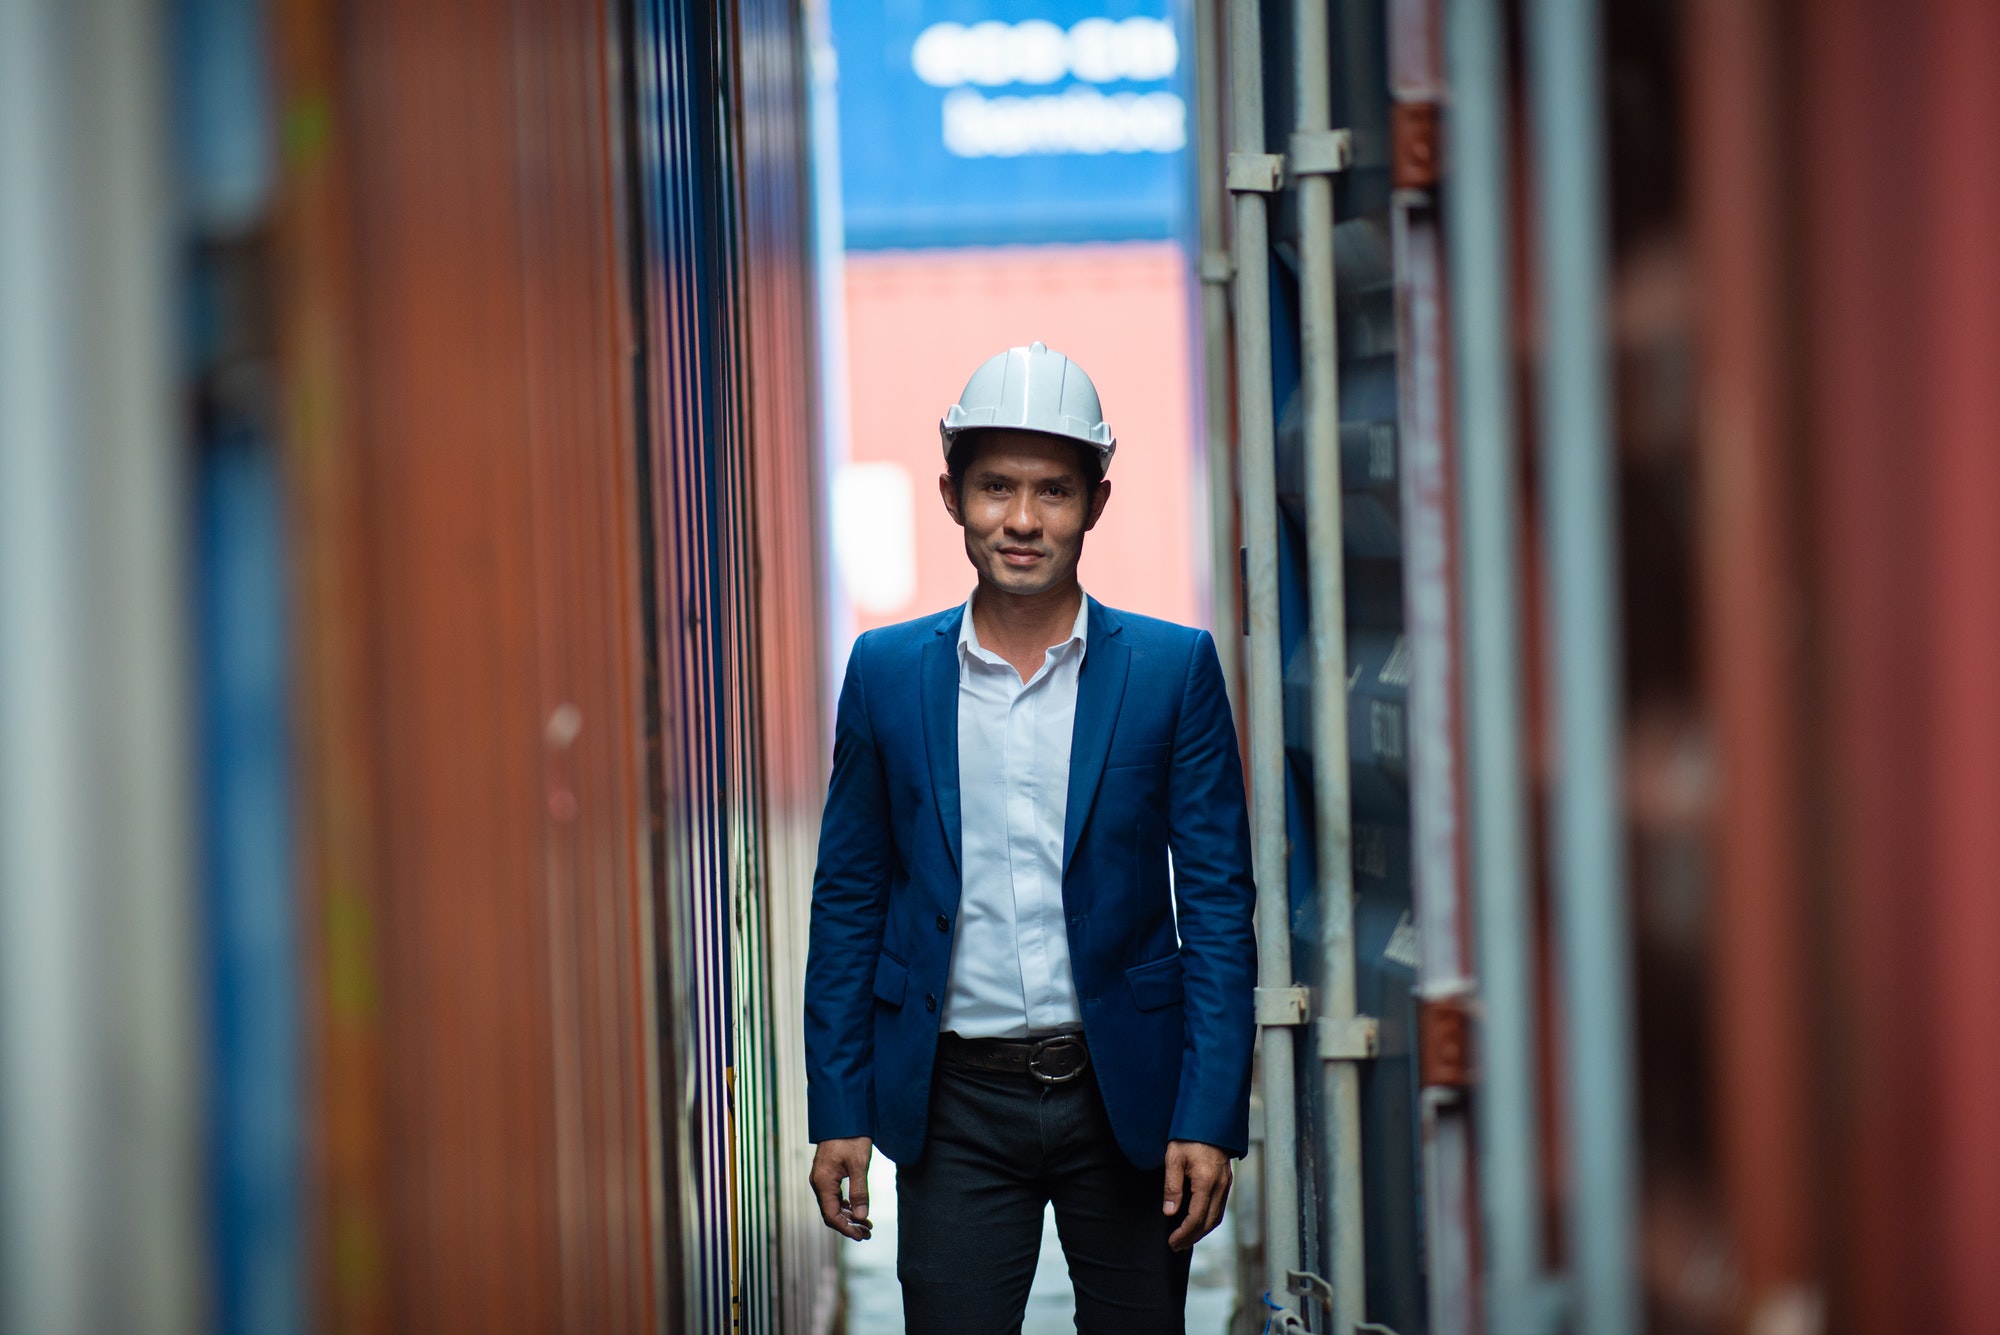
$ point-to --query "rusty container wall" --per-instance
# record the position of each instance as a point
(336, 836)
(1843, 209)
(1853, 70)
(546, 347)
(1760, 931)
(1897, 109)
(577, 322)
(460, 413)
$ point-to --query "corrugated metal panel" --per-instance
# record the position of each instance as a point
(549, 483)
(458, 370)
(1762, 932)
(255, 1158)
(681, 184)
(255, 1155)
(736, 739)
(791, 549)
(582, 444)
(338, 743)
(1899, 337)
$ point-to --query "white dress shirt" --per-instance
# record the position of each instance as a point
(1010, 974)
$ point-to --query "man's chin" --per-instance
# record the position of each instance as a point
(1023, 583)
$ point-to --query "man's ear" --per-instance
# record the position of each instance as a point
(948, 492)
(1098, 500)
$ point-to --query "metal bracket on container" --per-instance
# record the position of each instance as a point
(1255, 173)
(1217, 266)
(1351, 1038)
(1413, 133)
(1444, 1042)
(1320, 152)
(1282, 1322)
(1282, 1007)
(1306, 1284)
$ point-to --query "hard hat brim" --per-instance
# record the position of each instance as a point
(1100, 439)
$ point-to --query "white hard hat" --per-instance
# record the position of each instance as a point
(1031, 389)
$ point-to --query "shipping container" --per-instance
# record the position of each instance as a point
(549, 365)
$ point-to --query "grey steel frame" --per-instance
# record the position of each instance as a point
(1478, 228)
(1579, 505)
(1257, 446)
(1317, 152)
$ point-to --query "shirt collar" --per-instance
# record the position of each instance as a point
(968, 638)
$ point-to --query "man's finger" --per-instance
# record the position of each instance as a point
(1200, 1187)
(1170, 1203)
(827, 1189)
(854, 1210)
(1218, 1201)
(857, 1189)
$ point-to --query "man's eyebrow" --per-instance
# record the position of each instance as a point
(983, 475)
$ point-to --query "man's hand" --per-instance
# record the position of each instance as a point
(838, 1160)
(1205, 1173)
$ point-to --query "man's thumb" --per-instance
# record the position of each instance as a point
(1175, 1174)
(857, 1194)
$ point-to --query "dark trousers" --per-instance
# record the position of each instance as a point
(969, 1212)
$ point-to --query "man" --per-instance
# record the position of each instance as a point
(999, 990)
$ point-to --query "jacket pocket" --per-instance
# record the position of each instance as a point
(1129, 757)
(1156, 984)
(891, 978)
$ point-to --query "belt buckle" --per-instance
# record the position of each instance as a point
(1064, 1040)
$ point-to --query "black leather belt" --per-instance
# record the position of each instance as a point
(1053, 1061)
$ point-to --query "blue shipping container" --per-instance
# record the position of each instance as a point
(970, 122)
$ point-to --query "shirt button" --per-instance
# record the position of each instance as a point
(930, 1001)
(944, 923)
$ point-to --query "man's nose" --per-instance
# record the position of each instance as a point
(1022, 518)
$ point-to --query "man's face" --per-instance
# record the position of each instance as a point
(1024, 510)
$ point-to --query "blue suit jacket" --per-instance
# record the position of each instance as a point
(1153, 768)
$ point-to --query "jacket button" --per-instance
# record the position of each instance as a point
(930, 1001)
(944, 923)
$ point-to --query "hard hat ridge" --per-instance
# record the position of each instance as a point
(1031, 389)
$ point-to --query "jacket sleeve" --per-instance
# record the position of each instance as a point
(849, 907)
(1209, 833)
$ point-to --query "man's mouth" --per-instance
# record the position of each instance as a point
(1020, 556)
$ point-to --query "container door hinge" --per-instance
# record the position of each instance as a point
(1320, 152)
(1217, 266)
(1282, 1007)
(1255, 173)
(1352, 1038)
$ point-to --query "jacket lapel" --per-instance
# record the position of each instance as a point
(940, 704)
(1100, 689)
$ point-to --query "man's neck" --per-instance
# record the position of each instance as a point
(1021, 628)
